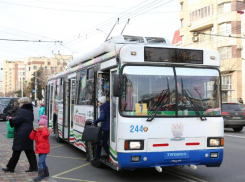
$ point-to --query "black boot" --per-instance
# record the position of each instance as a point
(7, 169)
(31, 170)
(40, 175)
(46, 172)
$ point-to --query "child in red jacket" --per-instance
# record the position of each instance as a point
(41, 136)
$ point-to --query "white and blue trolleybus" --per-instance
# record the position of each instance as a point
(165, 103)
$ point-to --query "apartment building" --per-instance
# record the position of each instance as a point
(1, 86)
(15, 73)
(177, 38)
(211, 24)
(52, 65)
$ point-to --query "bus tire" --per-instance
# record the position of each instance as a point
(56, 131)
(238, 129)
(97, 164)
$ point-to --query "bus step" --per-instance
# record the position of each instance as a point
(107, 162)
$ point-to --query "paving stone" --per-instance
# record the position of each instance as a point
(19, 175)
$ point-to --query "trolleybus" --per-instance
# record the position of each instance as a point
(165, 103)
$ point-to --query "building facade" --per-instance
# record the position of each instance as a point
(12, 72)
(17, 73)
(1, 86)
(53, 65)
(212, 24)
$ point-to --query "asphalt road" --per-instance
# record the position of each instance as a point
(68, 164)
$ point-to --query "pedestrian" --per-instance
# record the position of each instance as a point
(14, 110)
(36, 103)
(41, 111)
(105, 119)
(41, 136)
(241, 101)
(23, 125)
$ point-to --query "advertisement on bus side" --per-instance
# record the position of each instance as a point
(81, 114)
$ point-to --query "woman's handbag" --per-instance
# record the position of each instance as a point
(10, 131)
(92, 134)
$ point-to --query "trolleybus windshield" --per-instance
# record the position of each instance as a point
(153, 89)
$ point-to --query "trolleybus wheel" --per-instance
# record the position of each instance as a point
(238, 129)
(58, 139)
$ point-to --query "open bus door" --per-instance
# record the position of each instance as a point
(113, 123)
(71, 95)
(104, 88)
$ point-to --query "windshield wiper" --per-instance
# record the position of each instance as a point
(159, 104)
(156, 103)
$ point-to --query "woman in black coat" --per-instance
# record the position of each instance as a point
(23, 124)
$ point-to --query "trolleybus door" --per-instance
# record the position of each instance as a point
(72, 92)
(65, 110)
(113, 122)
(51, 104)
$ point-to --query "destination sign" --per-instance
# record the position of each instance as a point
(173, 55)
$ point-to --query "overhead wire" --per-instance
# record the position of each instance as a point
(19, 40)
(113, 18)
(92, 6)
(128, 15)
(76, 11)
(28, 33)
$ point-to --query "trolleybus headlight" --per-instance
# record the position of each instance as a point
(215, 142)
(134, 145)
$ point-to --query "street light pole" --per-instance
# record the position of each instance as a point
(22, 88)
(35, 86)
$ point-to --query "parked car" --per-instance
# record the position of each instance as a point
(6, 104)
(234, 116)
(242, 107)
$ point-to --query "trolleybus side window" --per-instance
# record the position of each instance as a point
(60, 93)
(149, 89)
(82, 88)
(89, 97)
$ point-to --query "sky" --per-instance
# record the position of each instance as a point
(72, 27)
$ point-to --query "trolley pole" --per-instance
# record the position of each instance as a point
(35, 86)
(22, 87)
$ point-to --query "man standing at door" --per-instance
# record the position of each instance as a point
(105, 119)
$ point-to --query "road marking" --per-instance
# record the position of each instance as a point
(66, 157)
(72, 179)
(178, 176)
(181, 173)
(236, 136)
(70, 170)
(56, 146)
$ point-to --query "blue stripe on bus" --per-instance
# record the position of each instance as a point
(170, 158)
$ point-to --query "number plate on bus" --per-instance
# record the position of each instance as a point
(176, 155)
(236, 117)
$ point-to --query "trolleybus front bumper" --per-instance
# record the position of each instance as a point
(210, 158)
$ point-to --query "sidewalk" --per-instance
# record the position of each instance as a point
(19, 174)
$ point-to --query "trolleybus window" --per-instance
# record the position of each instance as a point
(148, 89)
(86, 87)
(82, 88)
(198, 90)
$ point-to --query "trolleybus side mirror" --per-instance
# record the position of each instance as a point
(118, 85)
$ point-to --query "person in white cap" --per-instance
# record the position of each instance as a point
(105, 119)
